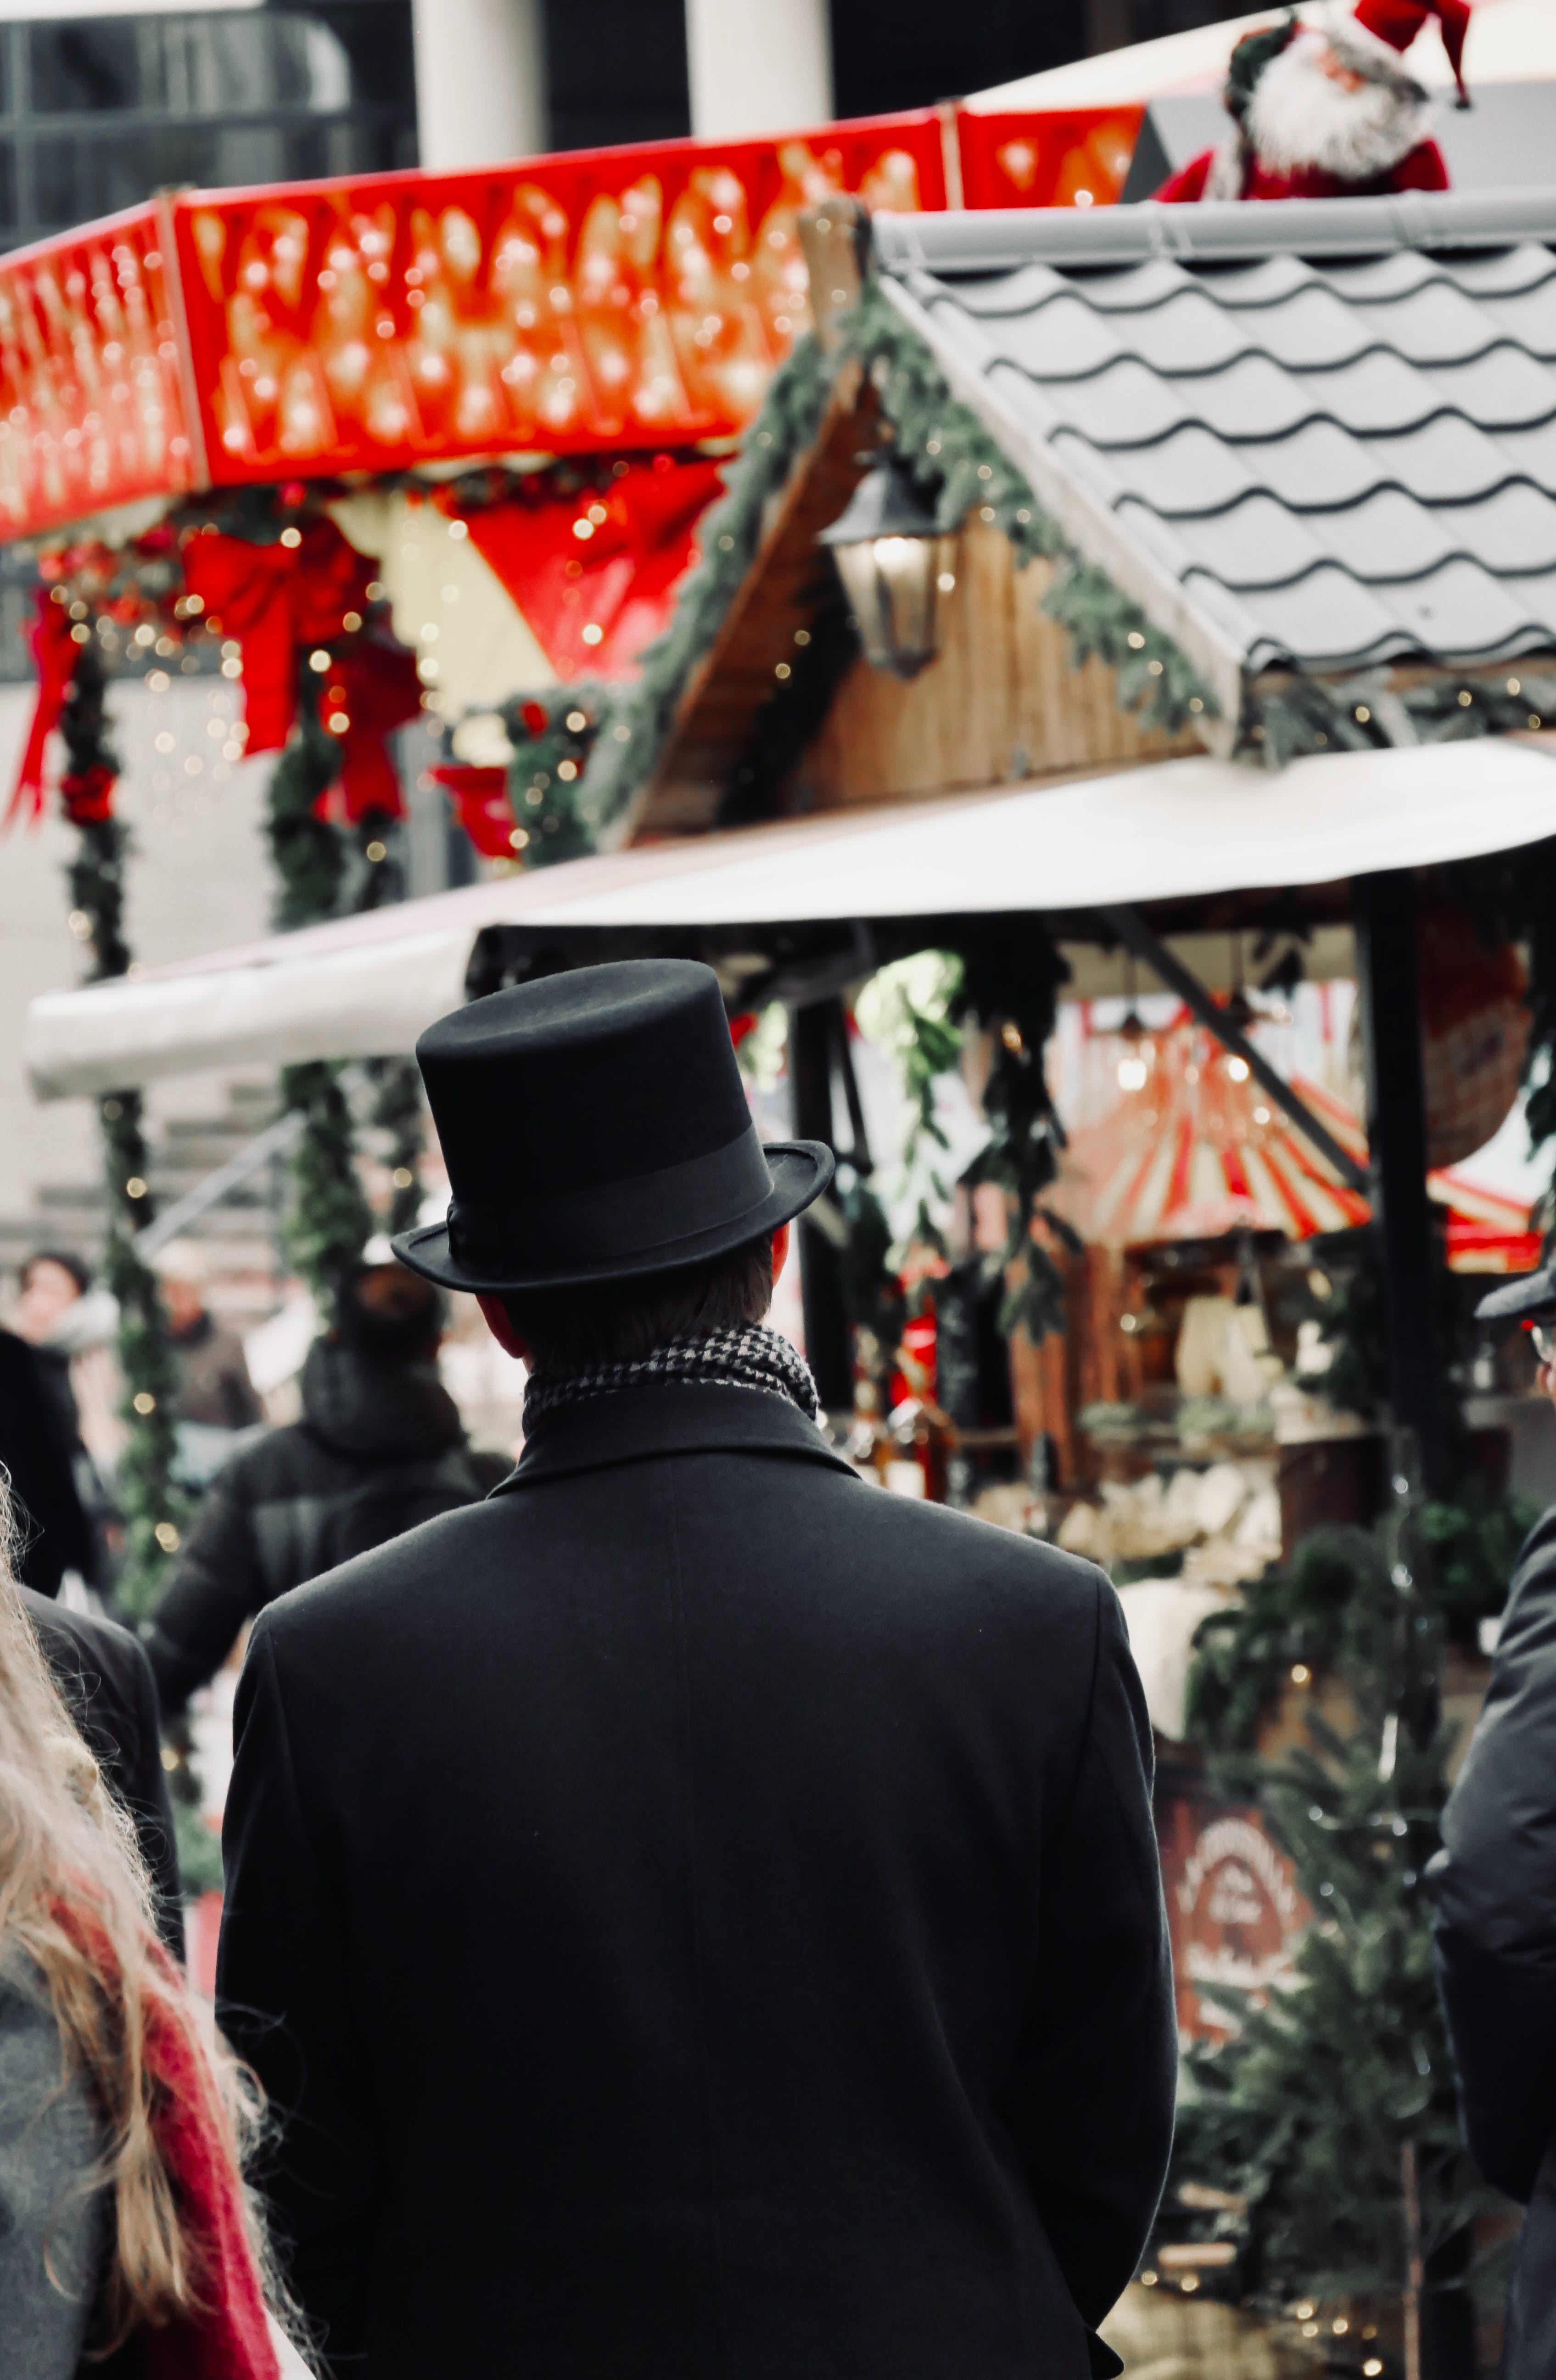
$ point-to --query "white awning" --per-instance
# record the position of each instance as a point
(365, 986)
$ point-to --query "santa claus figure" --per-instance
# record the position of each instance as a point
(1328, 110)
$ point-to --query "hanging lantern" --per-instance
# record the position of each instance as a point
(895, 565)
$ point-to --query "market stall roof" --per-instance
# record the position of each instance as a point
(1320, 436)
(367, 986)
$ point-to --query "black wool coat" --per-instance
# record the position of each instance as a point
(697, 1917)
(379, 1445)
(104, 1680)
(1494, 1888)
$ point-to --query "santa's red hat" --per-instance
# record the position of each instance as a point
(1393, 24)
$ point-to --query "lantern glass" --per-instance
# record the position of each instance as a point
(893, 586)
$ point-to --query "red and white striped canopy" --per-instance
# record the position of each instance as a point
(1193, 1148)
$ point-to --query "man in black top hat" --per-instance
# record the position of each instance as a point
(1493, 1885)
(694, 1914)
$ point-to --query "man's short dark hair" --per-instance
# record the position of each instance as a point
(622, 1321)
(387, 1314)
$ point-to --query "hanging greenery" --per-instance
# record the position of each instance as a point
(1323, 2140)
(1005, 975)
(151, 1505)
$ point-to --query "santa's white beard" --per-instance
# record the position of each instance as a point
(1299, 115)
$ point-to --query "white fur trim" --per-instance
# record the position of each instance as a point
(1300, 116)
(1351, 40)
(1224, 179)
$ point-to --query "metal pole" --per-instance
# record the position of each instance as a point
(1384, 911)
(811, 1041)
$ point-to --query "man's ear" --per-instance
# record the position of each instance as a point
(499, 1324)
(781, 1252)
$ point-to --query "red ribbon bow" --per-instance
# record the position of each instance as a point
(273, 599)
(55, 650)
(484, 813)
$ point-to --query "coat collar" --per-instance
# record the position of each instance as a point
(667, 1417)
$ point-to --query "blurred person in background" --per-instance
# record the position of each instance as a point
(70, 1327)
(379, 1447)
(127, 2241)
(104, 1679)
(1493, 1885)
(54, 1532)
(214, 1389)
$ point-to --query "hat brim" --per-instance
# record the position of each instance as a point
(1527, 1299)
(800, 1170)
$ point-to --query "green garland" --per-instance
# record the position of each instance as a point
(331, 1220)
(1358, 714)
(152, 1506)
(962, 473)
(1290, 2136)
(630, 723)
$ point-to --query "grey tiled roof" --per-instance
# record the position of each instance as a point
(1332, 424)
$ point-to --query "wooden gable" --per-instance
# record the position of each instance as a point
(1002, 701)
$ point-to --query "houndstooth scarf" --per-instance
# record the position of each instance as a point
(755, 1358)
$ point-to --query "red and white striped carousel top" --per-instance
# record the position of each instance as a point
(1194, 1148)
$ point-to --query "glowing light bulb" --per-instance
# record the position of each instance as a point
(1132, 1074)
(1238, 1069)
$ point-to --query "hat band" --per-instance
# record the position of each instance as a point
(618, 1218)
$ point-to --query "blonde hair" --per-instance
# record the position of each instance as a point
(76, 1911)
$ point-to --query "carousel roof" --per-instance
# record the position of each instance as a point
(1193, 1151)
(1322, 434)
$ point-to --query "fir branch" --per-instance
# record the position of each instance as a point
(331, 1220)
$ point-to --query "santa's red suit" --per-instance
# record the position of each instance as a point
(1330, 111)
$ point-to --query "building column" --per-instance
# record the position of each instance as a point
(480, 69)
(758, 65)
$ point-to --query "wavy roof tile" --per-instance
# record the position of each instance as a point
(1332, 424)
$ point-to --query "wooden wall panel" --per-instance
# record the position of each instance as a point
(1000, 702)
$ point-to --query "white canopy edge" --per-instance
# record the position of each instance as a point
(365, 986)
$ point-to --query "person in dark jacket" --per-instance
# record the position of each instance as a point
(1493, 1887)
(53, 1532)
(105, 1680)
(379, 1447)
(696, 1916)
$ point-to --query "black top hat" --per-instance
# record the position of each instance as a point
(595, 1126)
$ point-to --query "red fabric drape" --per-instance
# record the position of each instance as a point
(273, 599)
(480, 795)
(619, 580)
(54, 651)
(375, 687)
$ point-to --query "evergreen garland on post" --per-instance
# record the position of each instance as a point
(1323, 2139)
(331, 1220)
(152, 1506)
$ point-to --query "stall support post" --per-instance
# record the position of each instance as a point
(813, 1038)
(1384, 914)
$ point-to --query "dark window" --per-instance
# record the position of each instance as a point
(890, 53)
(108, 110)
(615, 71)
